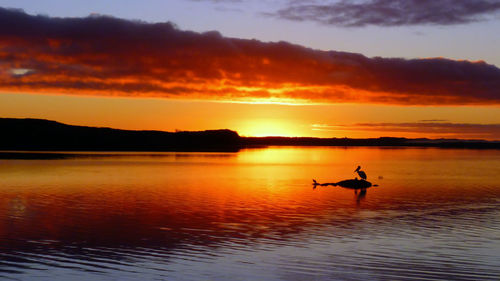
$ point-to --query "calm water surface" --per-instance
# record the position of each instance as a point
(252, 215)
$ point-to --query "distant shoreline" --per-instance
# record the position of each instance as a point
(39, 135)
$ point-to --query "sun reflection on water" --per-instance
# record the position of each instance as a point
(200, 207)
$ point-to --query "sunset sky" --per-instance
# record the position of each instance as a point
(367, 68)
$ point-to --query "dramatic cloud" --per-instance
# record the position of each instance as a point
(390, 12)
(107, 56)
(441, 129)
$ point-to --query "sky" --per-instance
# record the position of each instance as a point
(365, 68)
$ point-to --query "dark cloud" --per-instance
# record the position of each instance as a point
(101, 55)
(390, 12)
(443, 129)
(433, 120)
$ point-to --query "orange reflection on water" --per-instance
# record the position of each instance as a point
(176, 199)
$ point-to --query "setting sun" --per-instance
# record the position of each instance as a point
(268, 128)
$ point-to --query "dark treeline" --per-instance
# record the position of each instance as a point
(45, 135)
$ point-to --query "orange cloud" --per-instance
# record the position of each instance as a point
(431, 128)
(108, 56)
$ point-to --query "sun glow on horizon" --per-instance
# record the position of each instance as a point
(268, 128)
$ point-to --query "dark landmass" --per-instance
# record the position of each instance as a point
(46, 135)
(381, 142)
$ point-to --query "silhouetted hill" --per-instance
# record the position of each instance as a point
(45, 135)
(37, 134)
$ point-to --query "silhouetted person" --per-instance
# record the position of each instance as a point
(360, 173)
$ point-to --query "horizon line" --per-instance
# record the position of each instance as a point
(249, 136)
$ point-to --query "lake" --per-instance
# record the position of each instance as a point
(252, 215)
